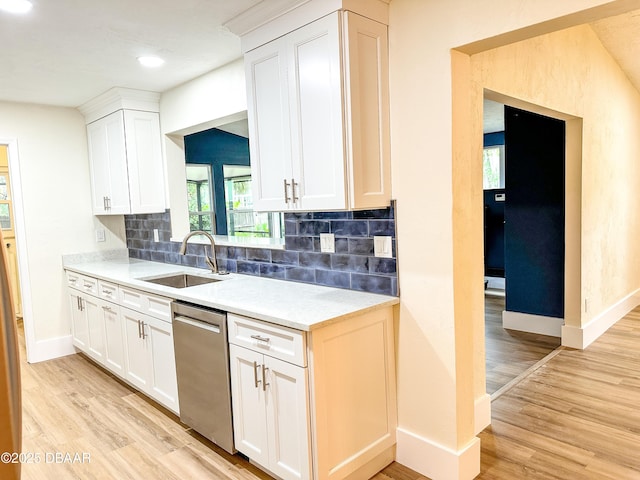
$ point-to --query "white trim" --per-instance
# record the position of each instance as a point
(21, 242)
(435, 461)
(526, 322)
(482, 413)
(496, 282)
(582, 337)
(52, 348)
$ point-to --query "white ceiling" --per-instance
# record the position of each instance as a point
(65, 52)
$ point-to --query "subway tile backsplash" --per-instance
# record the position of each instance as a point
(352, 266)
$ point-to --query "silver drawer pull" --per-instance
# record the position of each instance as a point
(261, 339)
(107, 293)
(107, 308)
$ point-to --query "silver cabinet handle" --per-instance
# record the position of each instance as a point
(286, 191)
(264, 378)
(109, 203)
(87, 286)
(294, 198)
(144, 335)
(81, 304)
(107, 293)
(255, 374)
(107, 308)
(78, 304)
(139, 333)
(261, 339)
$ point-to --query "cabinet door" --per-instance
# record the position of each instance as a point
(95, 327)
(163, 385)
(79, 326)
(315, 93)
(269, 130)
(114, 343)
(108, 165)
(248, 397)
(136, 350)
(288, 420)
(367, 111)
(144, 161)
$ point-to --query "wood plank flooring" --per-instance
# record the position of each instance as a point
(509, 353)
(576, 417)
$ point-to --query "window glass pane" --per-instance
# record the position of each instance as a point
(491, 168)
(200, 198)
(3, 187)
(5, 218)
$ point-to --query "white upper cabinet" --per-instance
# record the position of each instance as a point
(125, 155)
(318, 116)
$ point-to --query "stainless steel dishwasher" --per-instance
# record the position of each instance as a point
(202, 367)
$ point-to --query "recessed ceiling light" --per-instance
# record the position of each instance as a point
(15, 6)
(150, 61)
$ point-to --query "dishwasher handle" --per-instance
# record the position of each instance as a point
(210, 327)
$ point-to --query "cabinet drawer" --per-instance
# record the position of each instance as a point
(73, 279)
(159, 307)
(85, 284)
(108, 291)
(279, 342)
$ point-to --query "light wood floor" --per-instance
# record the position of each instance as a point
(509, 353)
(575, 417)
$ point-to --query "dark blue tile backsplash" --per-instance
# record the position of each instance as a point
(352, 266)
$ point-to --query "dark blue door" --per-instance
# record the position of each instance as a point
(534, 213)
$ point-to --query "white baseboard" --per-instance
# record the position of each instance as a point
(482, 416)
(582, 337)
(435, 461)
(50, 348)
(496, 282)
(526, 322)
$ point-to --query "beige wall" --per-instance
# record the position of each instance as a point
(209, 101)
(587, 83)
(57, 218)
(438, 187)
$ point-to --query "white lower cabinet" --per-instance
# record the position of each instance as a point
(79, 324)
(136, 345)
(271, 412)
(149, 354)
(113, 339)
(315, 405)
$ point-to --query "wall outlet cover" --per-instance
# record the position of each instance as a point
(327, 243)
(101, 235)
(156, 236)
(383, 247)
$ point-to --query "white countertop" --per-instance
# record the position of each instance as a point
(297, 305)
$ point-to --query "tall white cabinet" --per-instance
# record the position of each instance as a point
(318, 116)
(125, 152)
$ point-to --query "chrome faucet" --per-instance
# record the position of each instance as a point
(211, 260)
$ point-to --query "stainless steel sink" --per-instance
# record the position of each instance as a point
(181, 280)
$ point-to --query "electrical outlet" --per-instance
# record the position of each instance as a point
(101, 236)
(156, 236)
(327, 242)
(382, 247)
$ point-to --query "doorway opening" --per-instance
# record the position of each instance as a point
(524, 239)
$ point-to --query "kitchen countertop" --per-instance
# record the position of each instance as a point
(297, 305)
